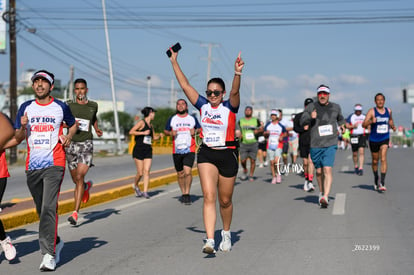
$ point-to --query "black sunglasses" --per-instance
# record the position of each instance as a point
(216, 93)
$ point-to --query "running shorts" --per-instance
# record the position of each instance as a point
(375, 146)
(358, 142)
(248, 151)
(225, 160)
(79, 152)
(323, 157)
(181, 160)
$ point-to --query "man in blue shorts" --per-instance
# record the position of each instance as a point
(323, 117)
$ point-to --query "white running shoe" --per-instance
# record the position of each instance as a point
(266, 163)
(48, 263)
(319, 198)
(208, 247)
(225, 244)
(311, 187)
(8, 248)
(261, 165)
(306, 186)
(244, 176)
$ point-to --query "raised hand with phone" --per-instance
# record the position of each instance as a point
(218, 172)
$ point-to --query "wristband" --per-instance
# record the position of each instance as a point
(237, 73)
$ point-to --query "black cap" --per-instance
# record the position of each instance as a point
(307, 101)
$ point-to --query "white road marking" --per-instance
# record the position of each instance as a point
(339, 204)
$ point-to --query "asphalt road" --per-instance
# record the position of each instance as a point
(276, 229)
(104, 169)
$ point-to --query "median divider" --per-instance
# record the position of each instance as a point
(23, 211)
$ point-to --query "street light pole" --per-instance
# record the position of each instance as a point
(118, 134)
(148, 90)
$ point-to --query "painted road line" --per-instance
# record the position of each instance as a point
(339, 204)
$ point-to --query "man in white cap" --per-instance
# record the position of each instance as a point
(323, 117)
(40, 122)
(275, 132)
(358, 138)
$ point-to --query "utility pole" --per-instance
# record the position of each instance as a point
(210, 46)
(111, 76)
(13, 70)
(70, 88)
(148, 90)
(172, 94)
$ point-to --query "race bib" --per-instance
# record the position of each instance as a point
(41, 140)
(249, 136)
(354, 140)
(83, 124)
(273, 142)
(325, 130)
(181, 142)
(261, 139)
(147, 140)
(382, 129)
(215, 139)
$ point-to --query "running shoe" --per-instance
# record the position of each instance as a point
(375, 187)
(324, 201)
(8, 248)
(261, 165)
(251, 178)
(138, 192)
(48, 263)
(73, 219)
(311, 187)
(88, 186)
(382, 187)
(59, 247)
(356, 171)
(208, 247)
(225, 244)
(274, 180)
(305, 186)
(266, 163)
(278, 178)
(145, 195)
(244, 176)
(360, 172)
(319, 198)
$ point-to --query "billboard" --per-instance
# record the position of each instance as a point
(2, 27)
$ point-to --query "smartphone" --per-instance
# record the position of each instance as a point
(174, 48)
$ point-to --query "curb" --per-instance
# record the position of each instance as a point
(28, 216)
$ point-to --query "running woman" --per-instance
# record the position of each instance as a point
(217, 159)
(380, 120)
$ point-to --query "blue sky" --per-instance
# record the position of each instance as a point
(357, 47)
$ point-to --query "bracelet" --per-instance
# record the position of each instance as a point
(237, 73)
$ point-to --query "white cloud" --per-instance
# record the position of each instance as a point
(272, 82)
(350, 80)
(312, 82)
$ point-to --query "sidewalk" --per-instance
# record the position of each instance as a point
(21, 212)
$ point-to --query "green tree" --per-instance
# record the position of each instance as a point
(126, 121)
(161, 117)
